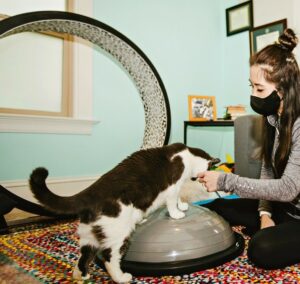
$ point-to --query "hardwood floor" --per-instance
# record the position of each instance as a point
(16, 217)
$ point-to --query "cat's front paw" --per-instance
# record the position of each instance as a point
(177, 214)
(183, 206)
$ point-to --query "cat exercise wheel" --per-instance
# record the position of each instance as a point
(164, 246)
(138, 66)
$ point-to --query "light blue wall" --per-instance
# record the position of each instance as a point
(186, 41)
(234, 52)
(235, 70)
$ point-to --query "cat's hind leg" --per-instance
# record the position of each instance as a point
(117, 232)
(114, 270)
(88, 254)
(89, 247)
(112, 258)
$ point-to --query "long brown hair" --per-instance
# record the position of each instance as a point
(280, 67)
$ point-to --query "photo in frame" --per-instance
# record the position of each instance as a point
(266, 34)
(202, 108)
(239, 18)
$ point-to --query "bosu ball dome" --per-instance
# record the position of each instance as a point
(161, 245)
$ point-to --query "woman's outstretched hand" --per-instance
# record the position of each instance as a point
(209, 179)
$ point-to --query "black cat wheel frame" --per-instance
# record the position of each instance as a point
(130, 56)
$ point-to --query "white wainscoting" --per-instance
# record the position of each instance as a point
(61, 186)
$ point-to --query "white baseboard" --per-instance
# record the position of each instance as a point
(61, 186)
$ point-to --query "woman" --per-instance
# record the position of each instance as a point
(274, 221)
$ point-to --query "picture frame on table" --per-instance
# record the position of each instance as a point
(239, 18)
(202, 108)
(264, 35)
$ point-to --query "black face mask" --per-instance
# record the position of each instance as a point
(266, 106)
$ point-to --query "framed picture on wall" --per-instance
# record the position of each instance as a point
(239, 18)
(266, 34)
(202, 108)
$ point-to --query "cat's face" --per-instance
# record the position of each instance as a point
(201, 165)
(200, 162)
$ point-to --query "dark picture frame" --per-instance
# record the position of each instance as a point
(239, 18)
(264, 35)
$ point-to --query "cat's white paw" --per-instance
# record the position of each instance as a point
(142, 221)
(183, 206)
(77, 273)
(86, 277)
(177, 214)
(123, 278)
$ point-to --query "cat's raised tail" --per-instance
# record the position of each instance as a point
(53, 202)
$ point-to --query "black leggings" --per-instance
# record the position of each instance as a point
(270, 248)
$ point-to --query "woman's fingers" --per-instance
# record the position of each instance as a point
(209, 179)
(201, 176)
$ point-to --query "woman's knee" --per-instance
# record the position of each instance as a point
(261, 251)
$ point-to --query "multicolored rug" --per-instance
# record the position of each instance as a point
(47, 253)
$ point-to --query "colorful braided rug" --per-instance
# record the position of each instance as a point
(47, 253)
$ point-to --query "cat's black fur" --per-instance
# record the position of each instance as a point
(137, 181)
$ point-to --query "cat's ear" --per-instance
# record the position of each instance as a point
(214, 161)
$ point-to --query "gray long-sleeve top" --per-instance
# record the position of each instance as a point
(285, 189)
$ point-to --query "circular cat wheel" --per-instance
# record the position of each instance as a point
(139, 67)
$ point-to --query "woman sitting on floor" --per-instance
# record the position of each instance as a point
(275, 229)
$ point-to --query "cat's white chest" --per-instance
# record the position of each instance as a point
(159, 201)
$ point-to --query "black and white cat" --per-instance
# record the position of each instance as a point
(111, 207)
